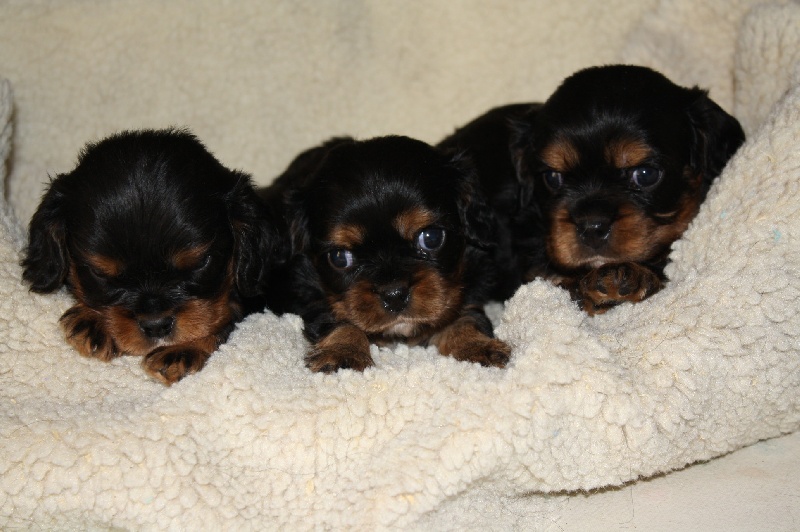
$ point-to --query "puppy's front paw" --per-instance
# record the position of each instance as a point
(169, 364)
(486, 352)
(337, 357)
(464, 341)
(612, 284)
(345, 347)
(86, 332)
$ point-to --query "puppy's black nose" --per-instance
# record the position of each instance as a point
(594, 230)
(157, 327)
(394, 297)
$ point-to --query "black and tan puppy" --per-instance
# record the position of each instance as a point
(161, 245)
(390, 236)
(593, 186)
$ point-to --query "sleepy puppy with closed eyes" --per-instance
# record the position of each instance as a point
(593, 186)
(390, 237)
(163, 248)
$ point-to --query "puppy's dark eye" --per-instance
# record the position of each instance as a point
(430, 239)
(553, 179)
(341, 259)
(205, 261)
(99, 273)
(644, 176)
(103, 267)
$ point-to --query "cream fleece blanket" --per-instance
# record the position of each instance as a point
(254, 441)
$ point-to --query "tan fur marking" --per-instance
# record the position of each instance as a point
(560, 155)
(105, 265)
(169, 364)
(189, 258)
(85, 331)
(410, 222)
(346, 346)
(347, 335)
(433, 302)
(463, 341)
(563, 246)
(625, 153)
(634, 236)
(198, 320)
(347, 235)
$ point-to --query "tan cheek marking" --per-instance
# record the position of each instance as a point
(201, 318)
(436, 299)
(410, 222)
(633, 235)
(359, 305)
(347, 235)
(636, 237)
(562, 241)
(689, 206)
(625, 153)
(560, 155)
(125, 331)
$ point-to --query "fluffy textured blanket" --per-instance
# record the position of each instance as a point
(708, 365)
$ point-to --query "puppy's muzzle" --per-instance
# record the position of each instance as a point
(593, 230)
(394, 296)
(157, 327)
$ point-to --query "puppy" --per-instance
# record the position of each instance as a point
(163, 248)
(592, 187)
(390, 238)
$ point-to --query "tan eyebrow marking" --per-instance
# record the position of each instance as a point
(410, 222)
(105, 265)
(625, 153)
(347, 235)
(560, 155)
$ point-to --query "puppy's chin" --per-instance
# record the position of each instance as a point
(402, 327)
(434, 301)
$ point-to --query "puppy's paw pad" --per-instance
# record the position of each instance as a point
(170, 364)
(336, 357)
(613, 284)
(85, 331)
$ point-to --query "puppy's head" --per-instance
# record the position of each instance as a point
(386, 223)
(618, 160)
(155, 235)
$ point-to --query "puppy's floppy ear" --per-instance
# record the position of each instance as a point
(295, 180)
(46, 261)
(717, 135)
(477, 217)
(259, 244)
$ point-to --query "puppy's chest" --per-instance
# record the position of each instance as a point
(403, 332)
